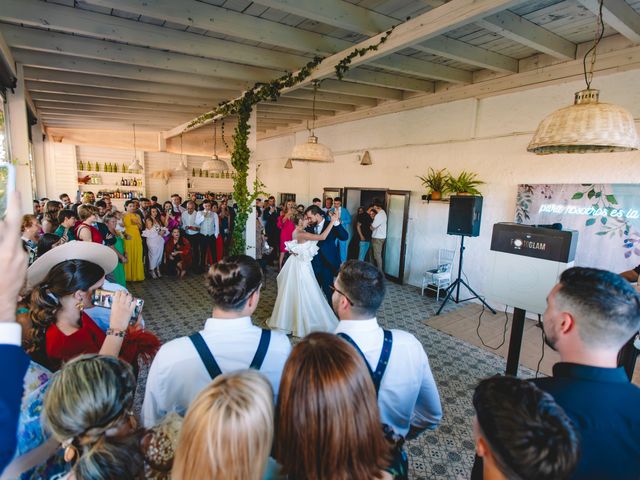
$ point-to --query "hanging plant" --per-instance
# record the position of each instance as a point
(242, 107)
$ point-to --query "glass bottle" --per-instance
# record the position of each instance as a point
(88, 166)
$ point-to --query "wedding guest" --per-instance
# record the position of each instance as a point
(62, 290)
(66, 223)
(30, 234)
(209, 232)
(226, 227)
(50, 217)
(193, 197)
(47, 242)
(43, 202)
(270, 218)
(145, 204)
(118, 274)
(66, 201)
(134, 268)
(259, 207)
(328, 204)
(363, 227)
(378, 234)
(317, 202)
(521, 432)
(191, 229)
(345, 220)
(37, 211)
(287, 225)
(176, 201)
(228, 430)
(85, 230)
(154, 201)
(89, 409)
(407, 393)
(229, 342)
(101, 205)
(109, 206)
(177, 254)
(12, 259)
(155, 214)
(327, 420)
(171, 220)
(261, 249)
(300, 208)
(155, 246)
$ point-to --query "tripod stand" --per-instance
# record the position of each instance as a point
(456, 286)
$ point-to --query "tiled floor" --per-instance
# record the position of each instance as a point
(174, 308)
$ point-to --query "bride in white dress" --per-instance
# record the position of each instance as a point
(301, 307)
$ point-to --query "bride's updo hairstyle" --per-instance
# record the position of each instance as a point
(232, 280)
(297, 218)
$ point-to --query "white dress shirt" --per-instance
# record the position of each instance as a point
(10, 333)
(320, 227)
(189, 220)
(177, 373)
(408, 393)
(209, 223)
(379, 225)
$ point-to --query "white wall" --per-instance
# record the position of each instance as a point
(487, 136)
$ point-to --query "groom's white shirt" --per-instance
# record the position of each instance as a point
(320, 227)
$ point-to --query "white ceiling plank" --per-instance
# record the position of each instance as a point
(382, 79)
(61, 104)
(227, 22)
(356, 89)
(339, 13)
(52, 42)
(331, 97)
(525, 32)
(134, 116)
(87, 80)
(38, 86)
(84, 22)
(85, 65)
(98, 124)
(619, 15)
(413, 66)
(118, 97)
(7, 57)
(272, 108)
(308, 104)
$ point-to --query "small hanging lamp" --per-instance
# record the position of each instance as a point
(289, 164)
(182, 167)
(366, 159)
(215, 164)
(311, 151)
(587, 126)
(135, 165)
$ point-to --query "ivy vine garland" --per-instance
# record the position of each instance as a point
(241, 153)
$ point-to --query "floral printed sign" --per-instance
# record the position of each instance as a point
(606, 216)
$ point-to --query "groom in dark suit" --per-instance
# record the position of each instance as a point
(326, 263)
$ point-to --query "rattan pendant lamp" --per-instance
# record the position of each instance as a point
(311, 151)
(215, 164)
(135, 165)
(587, 126)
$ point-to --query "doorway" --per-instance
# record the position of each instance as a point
(396, 206)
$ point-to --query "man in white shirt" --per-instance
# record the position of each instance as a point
(229, 342)
(379, 235)
(189, 224)
(408, 396)
(209, 224)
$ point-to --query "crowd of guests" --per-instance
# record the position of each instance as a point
(148, 238)
(235, 401)
(367, 232)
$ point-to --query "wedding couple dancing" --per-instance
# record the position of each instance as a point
(305, 282)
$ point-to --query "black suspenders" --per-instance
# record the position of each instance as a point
(376, 375)
(210, 362)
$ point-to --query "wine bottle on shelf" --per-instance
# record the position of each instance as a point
(124, 168)
(88, 166)
(200, 173)
(97, 167)
(122, 182)
(115, 168)
(193, 172)
(81, 165)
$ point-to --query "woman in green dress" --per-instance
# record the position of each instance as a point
(117, 245)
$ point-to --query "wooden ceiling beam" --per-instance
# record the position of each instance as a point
(101, 81)
(280, 109)
(619, 15)
(332, 97)
(52, 42)
(525, 32)
(69, 63)
(356, 89)
(308, 104)
(75, 107)
(390, 80)
(116, 29)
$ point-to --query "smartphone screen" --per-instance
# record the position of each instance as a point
(7, 185)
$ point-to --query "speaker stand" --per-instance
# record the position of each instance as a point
(456, 286)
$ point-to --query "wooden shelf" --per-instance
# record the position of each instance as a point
(110, 187)
(101, 172)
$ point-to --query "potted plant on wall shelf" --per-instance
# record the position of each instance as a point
(464, 184)
(435, 181)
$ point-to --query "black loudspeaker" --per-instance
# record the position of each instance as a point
(464, 215)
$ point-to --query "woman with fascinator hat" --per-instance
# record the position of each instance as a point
(62, 282)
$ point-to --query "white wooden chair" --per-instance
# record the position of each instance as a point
(439, 276)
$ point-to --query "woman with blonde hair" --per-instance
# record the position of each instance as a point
(88, 408)
(327, 419)
(228, 430)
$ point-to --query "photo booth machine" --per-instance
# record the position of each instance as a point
(525, 263)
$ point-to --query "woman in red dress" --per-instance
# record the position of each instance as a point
(177, 254)
(84, 229)
(61, 330)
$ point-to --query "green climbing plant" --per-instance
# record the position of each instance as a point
(242, 107)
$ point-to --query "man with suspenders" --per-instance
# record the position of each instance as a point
(229, 342)
(407, 393)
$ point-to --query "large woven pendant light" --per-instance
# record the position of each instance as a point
(135, 165)
(587, 126)
(311, 151)
(215, 164)
(182, 167)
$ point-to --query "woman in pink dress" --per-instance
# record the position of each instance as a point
(171, 221)
(286, 226)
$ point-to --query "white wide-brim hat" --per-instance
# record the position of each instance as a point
(75, 250)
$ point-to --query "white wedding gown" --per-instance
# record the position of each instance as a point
(301, 307)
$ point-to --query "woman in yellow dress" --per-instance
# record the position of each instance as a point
(133, 269)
